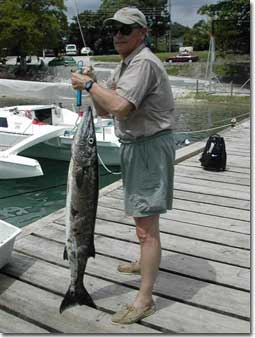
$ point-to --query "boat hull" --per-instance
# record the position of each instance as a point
(109, 153)
(47, 131)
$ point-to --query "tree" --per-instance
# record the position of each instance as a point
(198, 36)
(230, 23)
(94, 33)
(178, 30)
(28, 26)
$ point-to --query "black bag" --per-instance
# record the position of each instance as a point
(214, 156)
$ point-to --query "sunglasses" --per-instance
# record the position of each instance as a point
(123, 29)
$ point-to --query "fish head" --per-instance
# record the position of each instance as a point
(84, 149)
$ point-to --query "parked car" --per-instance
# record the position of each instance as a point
(48, 52)
(86, 51)
(63, 60)
(3, 55)
(71, 49)
(3, 60)
(183, 57)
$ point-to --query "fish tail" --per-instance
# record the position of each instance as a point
(77, 297)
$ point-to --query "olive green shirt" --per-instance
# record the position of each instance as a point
(142, 80)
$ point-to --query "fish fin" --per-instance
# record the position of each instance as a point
(65, 255)
(77, 297)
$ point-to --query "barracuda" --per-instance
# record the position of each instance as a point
(81, 207)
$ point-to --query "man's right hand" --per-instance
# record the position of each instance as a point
(90, 72)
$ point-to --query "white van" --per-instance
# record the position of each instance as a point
(71, 49)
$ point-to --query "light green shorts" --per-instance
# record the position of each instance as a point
(147, 167)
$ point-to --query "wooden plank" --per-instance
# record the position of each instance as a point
(210, 199)
(43, 306)
(230, 169)
(212, 251)
(109, 295)
(239, 153)
(201, 207)
(223, 201)
(242, 149)
(236, 188)
(171, 261)
(181, 229)
(208, 220)
(12, 324)
(232, 161)
(214, 210)
(212, 190)
(188, 217)
(188, 290)
(206, 250)
(223, 176)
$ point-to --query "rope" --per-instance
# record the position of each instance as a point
(202, 131)
(210, 129)
(232, 117)
(105, 167)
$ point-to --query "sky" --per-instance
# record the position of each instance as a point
(183, 11)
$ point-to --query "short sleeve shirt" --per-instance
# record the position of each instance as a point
(142, 80)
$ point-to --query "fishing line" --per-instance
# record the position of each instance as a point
(79, 24)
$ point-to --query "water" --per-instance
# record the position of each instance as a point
(23, 201)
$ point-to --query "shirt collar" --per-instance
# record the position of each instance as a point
(127, 59)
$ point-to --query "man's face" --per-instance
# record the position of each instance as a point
(126, 38)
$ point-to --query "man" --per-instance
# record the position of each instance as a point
(141, 102)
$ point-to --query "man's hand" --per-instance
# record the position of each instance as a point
(79, 80)
(90, 72)
(105, 100)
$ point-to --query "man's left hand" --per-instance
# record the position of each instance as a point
(79, 80)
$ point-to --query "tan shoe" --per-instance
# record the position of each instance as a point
(130, 268)
(128, 314)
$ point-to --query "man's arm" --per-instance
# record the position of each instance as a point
(100, 111)
(105, 100)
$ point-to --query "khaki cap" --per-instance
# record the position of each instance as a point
(129, 16)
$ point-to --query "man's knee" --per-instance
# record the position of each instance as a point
(141, 234)
(147, 228)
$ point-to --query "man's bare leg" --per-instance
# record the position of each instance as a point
(147, 230)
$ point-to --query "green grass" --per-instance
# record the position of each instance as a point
(219, 98)
(106, 58)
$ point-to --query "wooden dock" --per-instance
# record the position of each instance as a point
(204, 280)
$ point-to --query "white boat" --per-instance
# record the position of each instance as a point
(46, 131)
(8, 233)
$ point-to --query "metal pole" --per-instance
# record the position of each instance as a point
(211, 62)
(231, 88)
(170, 35)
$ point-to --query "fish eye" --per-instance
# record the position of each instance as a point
(91, 140)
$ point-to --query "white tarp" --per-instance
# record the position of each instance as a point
(48, 90)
